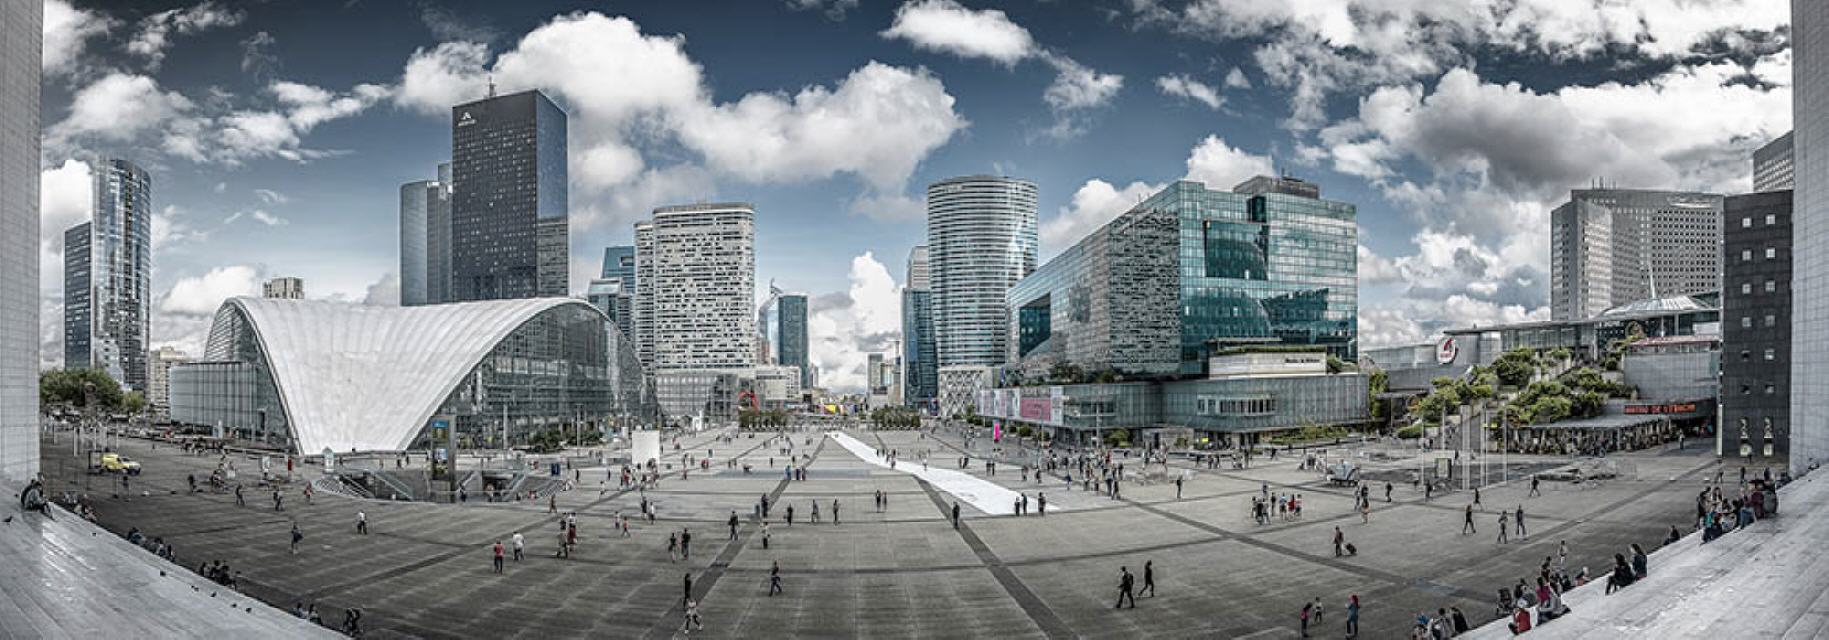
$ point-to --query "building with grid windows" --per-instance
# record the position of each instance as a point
(920, 361)
(21, 55)
(1756, 325)
(1609, 247)
(108, 277)
(425, 240)
(1190, 272)
(696, 281)
(1773, 165)
(1810, 231)
(287, 288)
(509, 230)
(790, 333)
(981, 239)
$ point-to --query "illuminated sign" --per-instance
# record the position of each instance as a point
(465, 120)
(1447, 351)
(1659, 409)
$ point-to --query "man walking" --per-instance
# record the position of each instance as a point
(955, 515)
(1149, 577)
(1476, 499)
(297, 536)
(1534, 492)
(835, 511)
(498, 555)
(278, 501)
(774, 579)
(239, 502)
(733, 524)
(1339, 542)
(1041, 504)
(1504, 521)
(790, 515)
(361, 523)
(1126, 583)
(1178, 487)
(520, 546)
(1519, 520)
(688, 598)
(1467, 524)
(1387, 492)
(686, 544)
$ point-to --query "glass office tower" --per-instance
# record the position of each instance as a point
(981, 240)
(110, 272)
(791, 334)
(509, 230)
(1191, 271)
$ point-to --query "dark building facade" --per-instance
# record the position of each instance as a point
(78, 317)
(1756, 325)
(920, 358)
(791, 342)
(509, 216)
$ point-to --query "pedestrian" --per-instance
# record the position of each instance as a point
(765, 535)
(361, 523)
(552, 503)
(1352, 616)
(673, 546)
(1365, 512)
(1041, 504)
(1476, 499)
(1307, 608)
(835, 511)
(238, 501)
(733, 524)
(278, 500)
(1504, 520)
(1467, 523)
(685, 544)
(688, 598)
(693, 621)
(1178, 480)
(1519, 520)
(1317, 614)
(1429, 491)
(1387, 492)
(790, 515)
(1535, 481)
(1149, 577)
(1339, 542)
(520, 546)
(774, 579)
(955, 515)
(297, 536)
(1126, 584)
(498, 555)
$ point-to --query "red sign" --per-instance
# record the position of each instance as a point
(1655, 409)
(1036, 409)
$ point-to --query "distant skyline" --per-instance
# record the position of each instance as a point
(279, 133)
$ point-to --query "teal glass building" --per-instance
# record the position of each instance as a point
(1191, 270)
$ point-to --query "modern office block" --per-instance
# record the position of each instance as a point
(1810, 233)
(920, 358)
(644, 301)
(619, 264)
(158, 395)
(1755, 387)
(1609, 247)
(609, 297)
(21, 34)
(1773, 165)
(283, 288)
(509, 214)
(981, 239)
(791, 334)
(108, 325)
(704, 283)
(1191, 271)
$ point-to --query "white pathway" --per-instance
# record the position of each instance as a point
(982, 494)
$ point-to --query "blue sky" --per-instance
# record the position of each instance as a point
(278, 133)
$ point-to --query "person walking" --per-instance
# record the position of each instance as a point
(1504, 521)
(278, 500)
(1149, 577)
(1467, 522)
(673, 546)
(1178, 487)
(1041, 504)
(688, 597)
(1126, 584)
(765, 535)
(1387, 492)
(1317, 614)
(297, 536)
(497, 549)
(693, 621)
(239, 502)
(1519, 520)
(835, 511)
(790, 515)
(1352, 616)
(361, 523)
(1535, 481)
(955, 515)
(520, 546)
(1476, 499)
(686, 544)
(774, 579)
(1339, 542)
(733, 524)
(1307, 608)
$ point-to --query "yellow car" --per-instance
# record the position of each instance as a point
(117, 463)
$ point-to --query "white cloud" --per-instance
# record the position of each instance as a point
(1181, 85)
(449, 74)
(833, 10)
(169, 230)
(66, 195)
(1094, 204)
(1377, 269)
(1077, 86)
(66, 30)
(1235, 79)
(384, 292)
(1221, 166)
(271, 197)
(202, 295)
(844, 328)
(117, 108)
(948, 27)
(156, 30)
(257, 215)
(891, 207)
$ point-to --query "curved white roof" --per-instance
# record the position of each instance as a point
(369, 377)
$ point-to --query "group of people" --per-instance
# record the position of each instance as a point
(352, 617)
(1285, 507)
(1718, 513)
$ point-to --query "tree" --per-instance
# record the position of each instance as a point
(134, 403)
(1549, 409)
(67, 387)
(1117, 438)
(1587, 404)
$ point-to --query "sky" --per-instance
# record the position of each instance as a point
(278, 133)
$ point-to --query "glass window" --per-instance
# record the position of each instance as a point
(1770, 286)
(1746, 322)
(1746, 223)
(1771, 219)
(1746, 288)
(1771, 354)
(1746, 255)
(1771, 320)
(1770, 253)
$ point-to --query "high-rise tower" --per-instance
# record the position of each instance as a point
(509, 229)
(981, 240)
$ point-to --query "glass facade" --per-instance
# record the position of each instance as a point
(981, 238)
(921, 384)
(413, 236)
(791, 334)
(109, 323)
(1189, 270)
(509, 229)
(1229, 406)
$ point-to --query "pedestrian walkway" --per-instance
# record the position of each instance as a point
(981, 494)
(67, 578)
(1769, 580)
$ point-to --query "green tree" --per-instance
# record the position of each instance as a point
(1117, 438)
(1549, 409)
(67, 387)
(134, 403)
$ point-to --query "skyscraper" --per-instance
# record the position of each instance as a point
(1773, 165)
(107, 327)
(644, 301)
(1756, 325)
(284, 289)
(425, 240)
(619, 264)
(920, 362)
(608, 296)
(1810, 232)
(981, 238)
(509, 229)
(698, 284)
(1609, 247)
(791, 335)
(21, 55)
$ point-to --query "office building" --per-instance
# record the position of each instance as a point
(1810, 232)
(778, 386)
(981, 240)
(768, 326)
(698, 284)
(1772, 165)
(874, 383)
(284, 289)
(644, 301)
(609, 297)
(509, 215)
(1756, 325)
(791, 335)
(920, 360)
(158, 394)
(1192, 271)
(425, 240)
(1609, 247)
(619, 264)
(21, 55)
(108, 278)
(959, 387)
(308, 375)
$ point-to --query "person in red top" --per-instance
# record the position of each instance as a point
(498, 556)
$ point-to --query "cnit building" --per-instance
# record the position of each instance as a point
(1198, 313)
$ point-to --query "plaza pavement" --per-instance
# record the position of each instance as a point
(904, 572)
